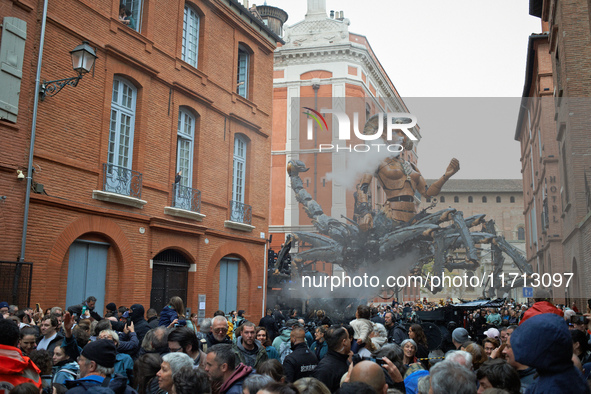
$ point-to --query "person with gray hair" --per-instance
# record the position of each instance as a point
(379, 336)
(155, 341)
(424, 385)
(171, 364)
(253, 383)
(219, 332)
(450, 377)
(460, 357)
(204, 329)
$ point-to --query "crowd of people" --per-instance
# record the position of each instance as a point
(514, 349)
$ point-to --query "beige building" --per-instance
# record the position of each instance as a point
(502, 201)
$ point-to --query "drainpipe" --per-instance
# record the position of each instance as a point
(33, 127)
(315, 87)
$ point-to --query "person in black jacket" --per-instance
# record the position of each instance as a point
(90, 302)
(301, 362)
(140, 324)
(332, 367)
(269, 323)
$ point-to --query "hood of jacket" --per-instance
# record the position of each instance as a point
(241, 372)
(543, 342)
(118, 383)
(137, 312)
(285, 334)
(257, 344)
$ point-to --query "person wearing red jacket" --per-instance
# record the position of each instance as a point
(15, 368)
(542, 304)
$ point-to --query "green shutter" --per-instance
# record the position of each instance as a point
(12, 49)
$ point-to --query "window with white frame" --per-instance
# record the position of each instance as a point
(242, 75)
(238, 178)
(185, 142)
(121, 127)
(135, 6)
(190, 36)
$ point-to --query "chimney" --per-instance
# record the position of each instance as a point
(245, 3)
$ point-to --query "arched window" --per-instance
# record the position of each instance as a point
(512, 199)
(470, 199)
(190, 36)
(521, 234)
(498, 198)
(483, 198)
(243, 70)
(456, 199)
(442, 199)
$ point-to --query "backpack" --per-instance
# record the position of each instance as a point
(284, 350)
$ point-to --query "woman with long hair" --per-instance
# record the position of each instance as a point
(262, 335)
(173, 313)
(416, 333)
(145, 369)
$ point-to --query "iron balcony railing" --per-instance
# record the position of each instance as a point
(241, 213)
(122, 180)
(184, 197)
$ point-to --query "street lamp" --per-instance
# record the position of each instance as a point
(83, 57)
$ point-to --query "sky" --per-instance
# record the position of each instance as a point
(437, 54)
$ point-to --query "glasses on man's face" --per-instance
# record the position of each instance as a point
(175, 349)
(220, 330)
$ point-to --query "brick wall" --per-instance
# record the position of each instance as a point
(72, 145)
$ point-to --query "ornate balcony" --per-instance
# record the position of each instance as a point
(186, 203)
(240, 217)
(120, 185)
(186, 198)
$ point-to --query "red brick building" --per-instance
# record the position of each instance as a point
(569, 47)
(185, 87)
(536, 131)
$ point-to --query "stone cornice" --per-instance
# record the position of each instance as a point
(352, 52)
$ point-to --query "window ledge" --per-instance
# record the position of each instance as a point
(238, 226)
(118, 199)
(183, 213)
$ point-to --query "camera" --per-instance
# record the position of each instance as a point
(357, 358)
(578, 319)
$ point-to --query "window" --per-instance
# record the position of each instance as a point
(520, 234)
(512, 199)
(483, 198)
(442, 199)
(428, 199)
(122, 123)
(135, 6)
(456, 199)
(498, 198)
(238, 176)
(242, 76)
(185, 138)
(190, 36)
(470, 199)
